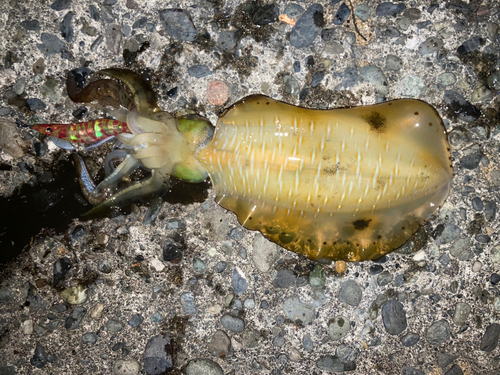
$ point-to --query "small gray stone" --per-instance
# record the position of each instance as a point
(296, 310)
(75, 318)
(460, 245)
(6, 295)
(470, 45)
(158, 355)
(51, 44)
(331, 363)
(445, 359)
(350, 293)
(449, 233)
(471, 161)
(430, 45)
(307, 342)
(293, 10)
(140, 23)
(187, 303)
(178, 24)
(489, 341)
(447, 79)
(198, 265)
(228, 39)
(126, 367)
(394, 317)
(393, 62)
(113, 325)
(338, 328)
(39, 358)
(36, 104)
(240, 284)
(317, 78)
(199, 71)
(410, 86)
(220, 344)
(345, 353)
(438, 333)
(232, 323)
(60, 5)
(384, 278)
(284, 279)
(66, 27)
(409, 339)
(291, 85)
(389, 9)
(376, 77)
(342, 15)
(31, 25)
(363, 12)
(307, 27)
(412, 13)
(279, 340)
(89, 338)
(317, 276)
(136, 320)
(490, 210)
(201, 366)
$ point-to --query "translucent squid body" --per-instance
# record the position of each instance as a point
(350, 184)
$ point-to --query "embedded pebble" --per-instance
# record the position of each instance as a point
(376, 77)
(410, 339)
(469, 46)
(59, 5)
(66, 27)
(75, 318)
(89, 338)
(447, 79)
(240, 284)
(284, 279)
(296, 310)
(338, 328)
(199, 71)
(265, 253)
(449, 233)
(389, 9)
(363, 12)
(11, 141)
(199, 265)
(265, 14)
(495, 278)
(454, 370)
(178, 24)
(317, 277)
(31, 25)
(158, 355)
(187, 303)
(40, 356)
(307, 27)
(438, 333)
(350, 293)
(471, 161)
(393, 62)
(461, 313)
(232, 323)
(136, 320)
(331, 363)
(412, 371)
(201, 366)
(317, 78)
(217, 92)
(342, 14)
(126, 367)
(293, 10)
(220, 344)
(345, 353)
(394, 317)
(75, 295)
(410, 86)
(430, 45)
(489, 341)
(384, 278)
(36, 104)
(291, 85)
(114, 326)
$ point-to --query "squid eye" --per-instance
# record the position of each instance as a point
(48, 130)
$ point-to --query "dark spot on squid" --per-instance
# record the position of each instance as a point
(324, 243)
(250, 218)
(379, 237)
(286, 238)
(330, 171)
(361, 224)
(267, 103)
(377, 121)
(403, 228)
(430, 123)
(416, 113)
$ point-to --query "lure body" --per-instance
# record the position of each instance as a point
(349, 184)
(84, 132)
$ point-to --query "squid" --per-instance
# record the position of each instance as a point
(340, 184)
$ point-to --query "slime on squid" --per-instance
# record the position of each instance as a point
(341, 184)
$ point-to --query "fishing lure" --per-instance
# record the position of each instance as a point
(84, 132)
(343, 184)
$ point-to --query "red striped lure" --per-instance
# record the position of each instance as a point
(84, 132)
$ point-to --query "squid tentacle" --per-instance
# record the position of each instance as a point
(155, 186)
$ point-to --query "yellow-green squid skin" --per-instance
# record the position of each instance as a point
(342, 184)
